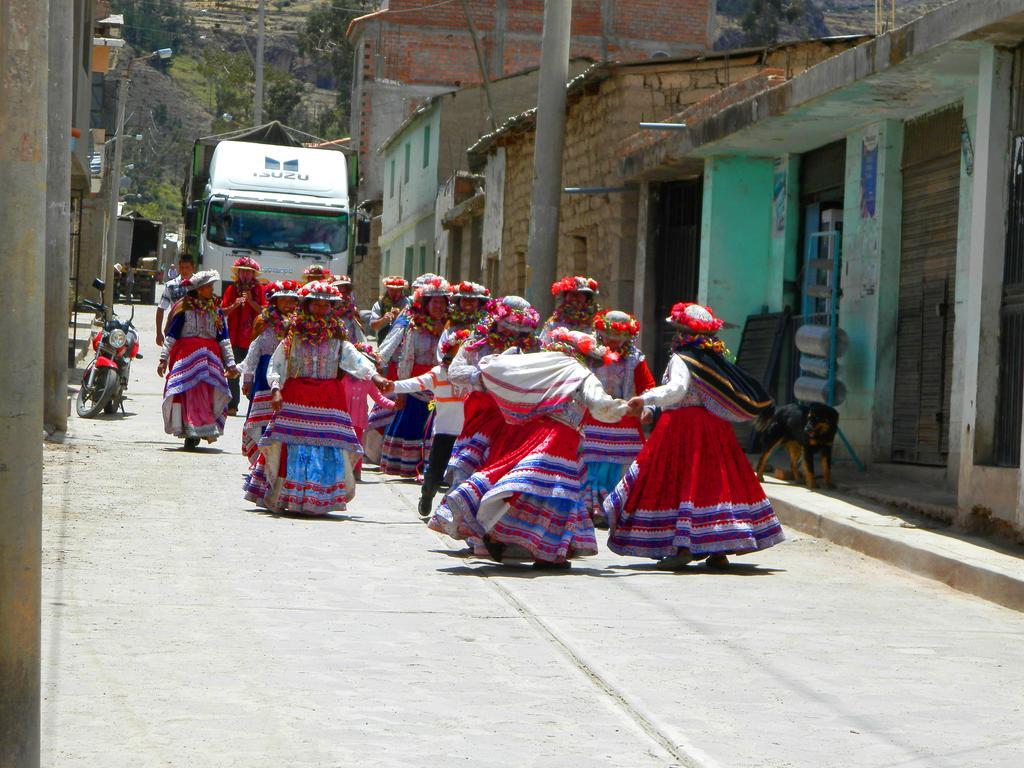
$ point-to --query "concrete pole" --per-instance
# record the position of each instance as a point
(58, 223)
(114, 184)
(257, 110)
(542, 246)
(24, 28)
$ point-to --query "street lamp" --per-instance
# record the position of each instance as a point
(113, 179)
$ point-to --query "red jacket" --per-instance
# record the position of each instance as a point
(241, 320)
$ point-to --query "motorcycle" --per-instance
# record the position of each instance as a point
(115, 345)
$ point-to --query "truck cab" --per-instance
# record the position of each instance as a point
(286, 206)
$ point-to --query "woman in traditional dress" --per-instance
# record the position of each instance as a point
(268, 331)
(575, 306)
(195, 355)
(389, 306)
(410, 351)
(309, 448)
(691, 494)
(530, 492)
(347, 310)
(468, 306)
(510, 322)
(608, 449)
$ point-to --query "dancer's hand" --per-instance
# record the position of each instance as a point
(232, 372)
(161, 368)
(636, 406)
(276, 401)
(383, 384)
(246, 389)
(648, 416)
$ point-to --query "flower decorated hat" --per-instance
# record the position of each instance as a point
(575, 283)
(429, 286)
(579, 344)
(694, 318)
(395, 281)
(514, 314)
(316, 272)
(199, 279)
(616, 324)
(319, 289)
(470, 290)
(245, 263)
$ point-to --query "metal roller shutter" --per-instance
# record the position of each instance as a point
(924, 353)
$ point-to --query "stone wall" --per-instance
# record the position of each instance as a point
(598, 231)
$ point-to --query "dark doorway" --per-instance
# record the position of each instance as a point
(677, 256)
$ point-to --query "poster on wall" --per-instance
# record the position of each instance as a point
(868, 174)
(779, 197)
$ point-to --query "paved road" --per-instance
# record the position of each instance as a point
(185, 628)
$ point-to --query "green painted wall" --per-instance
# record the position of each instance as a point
(738, 276)
(870, 285)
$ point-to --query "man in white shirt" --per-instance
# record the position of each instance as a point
(173, 292)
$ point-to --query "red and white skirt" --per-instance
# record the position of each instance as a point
(529, 493)
(691, 487)
(307, 452)
(196, 393)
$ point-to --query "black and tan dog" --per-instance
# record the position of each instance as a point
(804, 430)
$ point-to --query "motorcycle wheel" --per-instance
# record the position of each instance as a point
(92, 400)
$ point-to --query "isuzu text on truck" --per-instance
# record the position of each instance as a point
(260, 193)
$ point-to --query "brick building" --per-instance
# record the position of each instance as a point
(407, 52)
(600, 230)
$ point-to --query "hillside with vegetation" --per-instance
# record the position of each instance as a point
(207, 86)
(764, 22)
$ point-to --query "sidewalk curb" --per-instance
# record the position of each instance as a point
(923, 557)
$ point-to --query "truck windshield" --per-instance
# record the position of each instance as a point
(279, 229)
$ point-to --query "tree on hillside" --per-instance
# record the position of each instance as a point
(233, 78)
(325, 41)
(153, 24)
(765, 19)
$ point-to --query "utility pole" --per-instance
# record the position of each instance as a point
(114, 189)
(257, 110)
(484, 74)
(58, 223)
(114, 173)
(542, 246)
(24, 26)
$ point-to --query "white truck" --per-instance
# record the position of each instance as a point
(261, 193)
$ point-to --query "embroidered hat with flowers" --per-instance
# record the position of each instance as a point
(582, 346)
(319, 289)
(244, 263)
(470, 290)
(574, 283)
(513, 314)
(395, 281)
(316, 272)
(616, 324)
(339, 280)
(283, 289)
(199, 279)
(451, 344)
(696, 326)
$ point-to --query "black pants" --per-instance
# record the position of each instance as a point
(235, 384)
(437, 462)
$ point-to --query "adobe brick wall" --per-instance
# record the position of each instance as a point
(598, 232)
(432, 49)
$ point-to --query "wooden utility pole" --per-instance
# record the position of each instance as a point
(24, 26)
(542, 246)
(257, 109)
